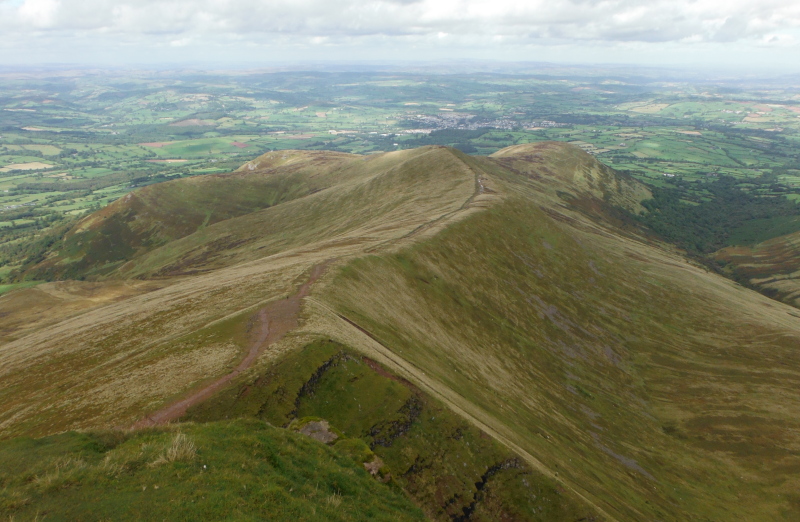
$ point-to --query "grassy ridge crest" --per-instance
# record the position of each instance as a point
(506, 287)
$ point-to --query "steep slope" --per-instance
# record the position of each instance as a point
(155, 215)
(646, 382)
(380, 193)
(192, 326)
(281, 200)
(491, 328)
(453, 469)
(772, 267)
(579, 176)
(598, 356)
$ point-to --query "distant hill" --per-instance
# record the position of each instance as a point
(496, 337)
(577, 173)
(190, 225)
(158, 214)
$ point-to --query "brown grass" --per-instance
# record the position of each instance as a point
(34, 165)
(772, 266)
(181, 448)
(108, 365)
(642, 383)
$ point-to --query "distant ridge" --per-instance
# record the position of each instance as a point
(110, 242)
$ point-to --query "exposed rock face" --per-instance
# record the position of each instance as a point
(319, 430)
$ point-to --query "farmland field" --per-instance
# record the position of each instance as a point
(74, 142)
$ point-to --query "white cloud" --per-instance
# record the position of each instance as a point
(39, 14)
(611, 20)
(183, 42)
(403, 24)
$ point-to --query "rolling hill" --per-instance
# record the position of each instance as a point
(496, 334)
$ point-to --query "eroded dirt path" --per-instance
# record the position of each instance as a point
(275, 320)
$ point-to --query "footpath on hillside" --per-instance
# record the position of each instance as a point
(275, 320)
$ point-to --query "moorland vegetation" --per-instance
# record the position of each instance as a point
(479, 338)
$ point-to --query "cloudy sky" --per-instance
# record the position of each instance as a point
(742, 35)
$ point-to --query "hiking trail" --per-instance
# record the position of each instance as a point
(275, 320)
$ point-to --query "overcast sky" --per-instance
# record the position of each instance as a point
(746, 35)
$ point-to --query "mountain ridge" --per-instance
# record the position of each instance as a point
(499, 295)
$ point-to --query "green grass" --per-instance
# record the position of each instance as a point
(161, 213)
(213, 231)
(238, 470)
(537, 351)
(4, 289)
(435, 456)
(103, 144)
(580, 348)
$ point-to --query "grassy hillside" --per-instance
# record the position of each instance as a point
(50, 303)
(111, 363)
(451, 468)
(157, 214)
(574, 172)
(242, 470)
(772, 266)
(495, 330)
(288, 200)
(381, 192)
(601, 357)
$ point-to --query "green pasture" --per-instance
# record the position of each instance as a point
(4, 289)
